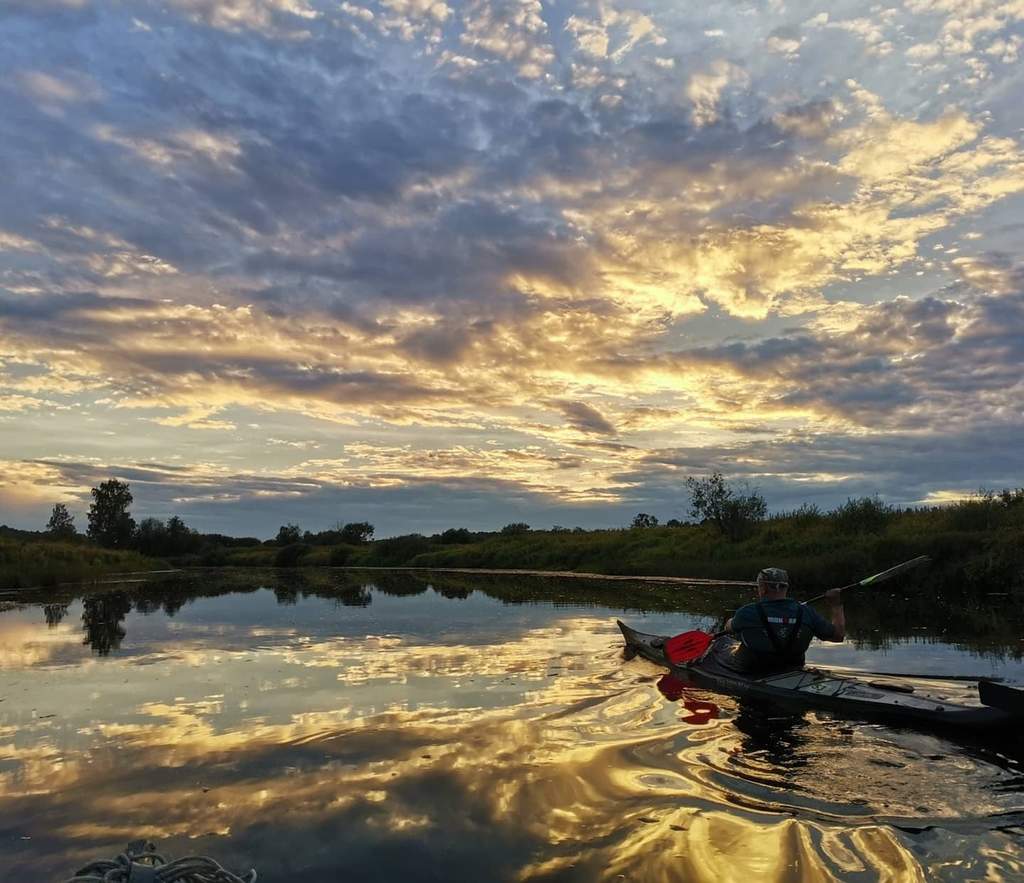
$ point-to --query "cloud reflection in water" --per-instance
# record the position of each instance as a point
(380, 752)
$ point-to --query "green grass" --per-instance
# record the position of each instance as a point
(25, 563)
(976, 545)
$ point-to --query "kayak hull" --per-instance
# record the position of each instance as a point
(816, 688)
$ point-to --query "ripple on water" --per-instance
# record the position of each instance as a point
(384, 748)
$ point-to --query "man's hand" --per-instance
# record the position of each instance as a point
(836, 614)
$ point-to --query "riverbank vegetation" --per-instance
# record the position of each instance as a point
(31, 559)
(977, 544)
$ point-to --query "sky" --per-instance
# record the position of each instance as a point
(434, 264)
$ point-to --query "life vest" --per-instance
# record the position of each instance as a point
(785, 650)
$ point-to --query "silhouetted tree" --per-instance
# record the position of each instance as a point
(516, 527)
(644, 520)
(862, 515)
(357, 532)
(455, 536)
(110, 523)
(288, 534)
(61, 524)
(734, 513)
(151, 537)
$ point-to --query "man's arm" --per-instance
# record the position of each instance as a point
(836, 613)
(728, 625)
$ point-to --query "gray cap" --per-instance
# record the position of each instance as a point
(773, 575)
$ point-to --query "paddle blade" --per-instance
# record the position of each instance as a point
(894, 571)
(687, 647)
(1002, 696)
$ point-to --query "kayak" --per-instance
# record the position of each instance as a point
(847, 696)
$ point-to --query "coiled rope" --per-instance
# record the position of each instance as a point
(141, 863)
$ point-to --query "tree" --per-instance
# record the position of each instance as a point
(357, 532)
(644, 520)
(61, 524)
(151, 537)
(455, 536)
(288, 535)
(732, 512)
(516, 527)
(110, 523)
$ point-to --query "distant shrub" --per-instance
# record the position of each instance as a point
(643, 520)
(289, 556)
(357, 532)
(805, 515)
(455, 536)
(397, 551)
(340, 556)
(288, 535)
(862, 515)
(516, 527)
(732, 511)
(213, 555)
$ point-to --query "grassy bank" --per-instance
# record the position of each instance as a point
(46, 563)
(976, 545)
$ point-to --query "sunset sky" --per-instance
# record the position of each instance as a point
(432, 264)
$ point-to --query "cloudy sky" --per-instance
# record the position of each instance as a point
(431, 263)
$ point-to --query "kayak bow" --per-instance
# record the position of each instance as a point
(849, 697)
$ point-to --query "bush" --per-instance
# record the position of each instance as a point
(862, 515)
(288, 535)
(340, 556)
(643, 520)
(734, 513)
(289, 556)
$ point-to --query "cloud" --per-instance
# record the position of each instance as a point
(706, 88)
(510, 30)
(585, 233)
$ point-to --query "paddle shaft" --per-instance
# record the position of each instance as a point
(878, 577)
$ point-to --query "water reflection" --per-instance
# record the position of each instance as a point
(327, 726)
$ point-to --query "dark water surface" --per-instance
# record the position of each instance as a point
(391, 727)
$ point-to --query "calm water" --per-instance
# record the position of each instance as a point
(476, 729)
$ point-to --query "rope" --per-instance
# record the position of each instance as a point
(141, 863)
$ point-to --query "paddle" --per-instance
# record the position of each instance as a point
(690, 646)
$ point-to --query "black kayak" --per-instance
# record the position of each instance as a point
(846, 696)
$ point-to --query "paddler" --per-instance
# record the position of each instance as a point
(775, 631)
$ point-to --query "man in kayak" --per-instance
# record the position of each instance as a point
(775, 631)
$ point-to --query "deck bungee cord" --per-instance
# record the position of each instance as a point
(141, 863)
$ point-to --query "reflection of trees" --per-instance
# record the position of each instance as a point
(355, 596)
(102, 616)
(399, 583)
(455, 593)
(989, 626)
(55, 614)
(286, 595)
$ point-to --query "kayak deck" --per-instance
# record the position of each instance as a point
(811, 687)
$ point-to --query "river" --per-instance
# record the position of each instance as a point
(429, 728)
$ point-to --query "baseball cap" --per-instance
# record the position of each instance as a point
(773, 575)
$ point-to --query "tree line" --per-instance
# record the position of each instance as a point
(111, 526)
